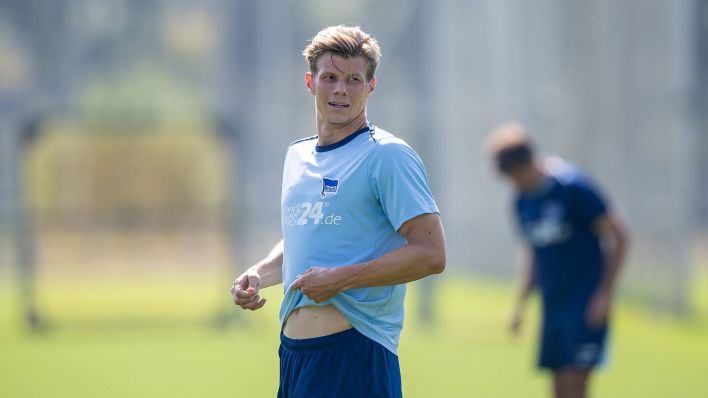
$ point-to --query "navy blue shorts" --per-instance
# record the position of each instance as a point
(569, 343)
(344, 364)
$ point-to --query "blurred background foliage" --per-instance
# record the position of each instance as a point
(176, 172)
(147, 97)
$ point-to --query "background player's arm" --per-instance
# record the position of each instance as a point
(265, 273)
(614, 244)
(527, 282)
(422, 255)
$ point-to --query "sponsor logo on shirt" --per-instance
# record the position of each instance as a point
(315, 212)
(550, 228)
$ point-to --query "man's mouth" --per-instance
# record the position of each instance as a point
(338, 105)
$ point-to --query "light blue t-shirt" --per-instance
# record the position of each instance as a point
(342, 204)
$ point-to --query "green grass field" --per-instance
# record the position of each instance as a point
(159, 339)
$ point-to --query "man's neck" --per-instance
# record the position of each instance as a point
(328, 134)
(539, 180)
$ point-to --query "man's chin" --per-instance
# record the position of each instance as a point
(339, 122)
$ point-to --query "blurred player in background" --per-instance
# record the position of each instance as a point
(358, 222)
(575, 245)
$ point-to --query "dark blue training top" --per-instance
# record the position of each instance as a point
(557, 224)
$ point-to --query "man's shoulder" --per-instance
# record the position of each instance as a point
(303, 141)
(301, 147)
(567, 174)
(383, 137)
(385, 145)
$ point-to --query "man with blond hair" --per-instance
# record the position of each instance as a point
(358, 222)
(574, 249)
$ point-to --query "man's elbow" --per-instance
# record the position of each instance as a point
(621, 239)
(624, 238)
(437, 263)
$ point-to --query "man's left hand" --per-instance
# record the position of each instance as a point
(318, 283)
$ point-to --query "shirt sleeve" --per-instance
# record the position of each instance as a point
(399, 182)
(591, 203)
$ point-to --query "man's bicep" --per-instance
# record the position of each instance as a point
(607, 226)
(426, 229)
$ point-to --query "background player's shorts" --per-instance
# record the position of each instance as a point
(344, 364)
(570, 343)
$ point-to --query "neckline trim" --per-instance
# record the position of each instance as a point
(345, 140)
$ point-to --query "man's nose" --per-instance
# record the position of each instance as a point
(340, 87)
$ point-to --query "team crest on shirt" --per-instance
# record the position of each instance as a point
(551, 227)
(329, 187)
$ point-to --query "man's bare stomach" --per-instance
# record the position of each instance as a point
(310, 322)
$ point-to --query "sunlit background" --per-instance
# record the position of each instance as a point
(141, 149)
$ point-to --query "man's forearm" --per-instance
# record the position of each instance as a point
(422, 255)
(527, 279)
(406, 264)
(614, 242)
(524, 291)
(270, 269)
(614, 260)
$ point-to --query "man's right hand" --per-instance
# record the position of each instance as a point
(245, 291)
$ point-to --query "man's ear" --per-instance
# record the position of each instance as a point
(310, 82)
(372, 85)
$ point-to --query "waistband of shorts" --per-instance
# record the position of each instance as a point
(316, 343)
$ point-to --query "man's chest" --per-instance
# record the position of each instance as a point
(326, 194)
(546, 221)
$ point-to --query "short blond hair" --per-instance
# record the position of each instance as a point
(345, 41)
(510, 147)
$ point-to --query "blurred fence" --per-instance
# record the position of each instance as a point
(173, 116)
(141, 208)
